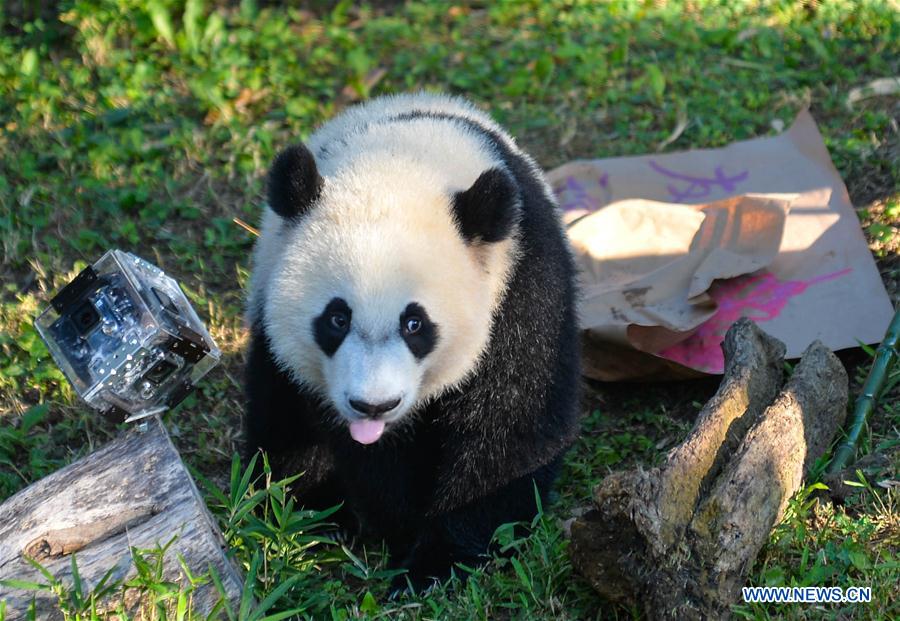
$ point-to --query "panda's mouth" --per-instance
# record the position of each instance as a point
(366, 431)
(368, 419)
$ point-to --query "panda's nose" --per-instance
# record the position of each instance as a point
(374, 410)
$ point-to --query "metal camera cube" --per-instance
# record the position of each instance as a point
(126, 337)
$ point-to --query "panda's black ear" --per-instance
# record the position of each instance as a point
(294, 182)
(488, 210)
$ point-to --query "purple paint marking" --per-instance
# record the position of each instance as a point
(698, 187)
(573, 195)
(761, 297)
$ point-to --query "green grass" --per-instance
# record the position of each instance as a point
(148, 125)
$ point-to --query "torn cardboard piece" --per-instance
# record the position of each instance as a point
(660, 292)
(663, 278)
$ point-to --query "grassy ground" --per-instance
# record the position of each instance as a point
(148, 125)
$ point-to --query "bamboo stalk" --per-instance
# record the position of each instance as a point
(868, 398)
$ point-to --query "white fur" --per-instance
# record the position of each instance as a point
(380, 237)
(372, 372)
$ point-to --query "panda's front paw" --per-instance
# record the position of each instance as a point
(421, 579)
(410, 583)
(427, 565)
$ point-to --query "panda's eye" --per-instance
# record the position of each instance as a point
(339, 321)
(413, 325)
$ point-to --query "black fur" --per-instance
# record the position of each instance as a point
(329, 337)
(425, 340)
(294, 182)
(437, 490)
(487, 211)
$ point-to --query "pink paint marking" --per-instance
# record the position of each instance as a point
(761, 297)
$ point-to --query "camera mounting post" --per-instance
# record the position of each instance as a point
(127, 338)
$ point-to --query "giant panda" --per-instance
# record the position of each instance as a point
(414, 345)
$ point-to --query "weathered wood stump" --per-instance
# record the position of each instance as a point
(134, 492)
(680, 540)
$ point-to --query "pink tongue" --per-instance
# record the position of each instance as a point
(366, 431)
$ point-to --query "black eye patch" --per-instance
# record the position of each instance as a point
(423, 340)
(331, 327)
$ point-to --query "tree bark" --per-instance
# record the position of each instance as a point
(680, 540)
(133, 493)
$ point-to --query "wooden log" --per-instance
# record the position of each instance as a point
(680, 540)
(749, 498)
(133, 493)
(752, 378)
(652, 508)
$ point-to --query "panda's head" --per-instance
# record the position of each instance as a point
(382, 279)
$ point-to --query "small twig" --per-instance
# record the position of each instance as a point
(876, 88)
(680, 125)
(66, 541)
(245, 226)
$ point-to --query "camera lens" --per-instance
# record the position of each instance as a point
(147, 390)
(85, 317)
(164, 300)
(160, 370)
